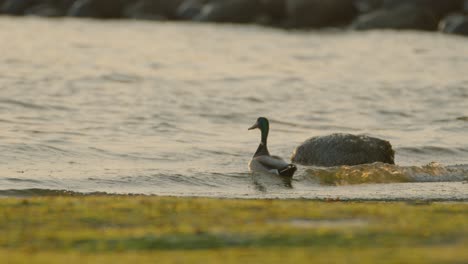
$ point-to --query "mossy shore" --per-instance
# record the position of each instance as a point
(134, 229)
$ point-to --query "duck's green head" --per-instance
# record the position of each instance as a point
(262, 124)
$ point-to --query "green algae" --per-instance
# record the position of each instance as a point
(366, 173)
(105, 229)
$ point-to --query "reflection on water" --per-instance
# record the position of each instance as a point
(266, 182)
(163, 108)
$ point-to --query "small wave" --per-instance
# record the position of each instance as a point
(22, 104)
(25, 151)
(165, 127)
(6, 121)
(130, 155)
(33, 106)
(22, 180)
(45, 192)
(394, 113)
(253, 99)
(121, 78)
(223, 118)
(386, 173)
(431, 150)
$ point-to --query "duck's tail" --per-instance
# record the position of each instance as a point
(288, 171)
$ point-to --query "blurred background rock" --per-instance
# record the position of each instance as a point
(448, 16)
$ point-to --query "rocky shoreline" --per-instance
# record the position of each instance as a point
(448, 16)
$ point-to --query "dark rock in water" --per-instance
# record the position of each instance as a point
(275, 11)
(189, 9)
(48, 8)
(152, 9)
(62, 5)
(343, 149)
(319, 13)
(17, 7)
(366, 6)
(455, 24)
(407, 16)
(45, 10)
(97, 8)
(404, 14)
(234, 11)
(439, 8)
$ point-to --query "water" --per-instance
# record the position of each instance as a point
(163, 108)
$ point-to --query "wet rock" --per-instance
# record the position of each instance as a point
(366, 6)
(97, 8)
(17, 7)
(455, 24)
(62, 5)
(189, 9)
(437, 7)
(233, 11)
(406, 16)
(45, 10)
(343, 149)
(1, 5)
(319, 13)
(49, 8)
(152, 9)
(274, 11)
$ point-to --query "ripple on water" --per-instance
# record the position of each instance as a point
(121, 78)
(431, 150)
(167, 113)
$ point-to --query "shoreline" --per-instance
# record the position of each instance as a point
(28, 194)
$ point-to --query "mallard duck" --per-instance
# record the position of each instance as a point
(262, 161)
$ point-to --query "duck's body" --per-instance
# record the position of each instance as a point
(262, 161)
(272, 164)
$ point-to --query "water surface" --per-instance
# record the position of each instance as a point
(163, 108)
